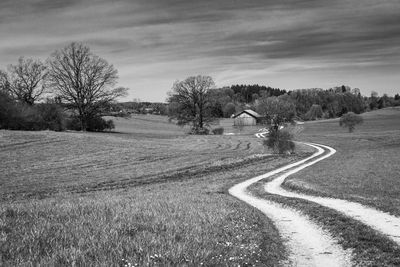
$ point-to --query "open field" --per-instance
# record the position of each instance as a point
(146, 199)
(40, 163)
(151, 195)
(366, 167)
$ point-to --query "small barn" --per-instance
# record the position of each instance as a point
(247, 117)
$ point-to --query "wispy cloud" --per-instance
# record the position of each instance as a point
(154, 42)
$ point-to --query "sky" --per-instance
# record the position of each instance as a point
(279, 43)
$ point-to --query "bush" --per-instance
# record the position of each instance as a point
(94, 124)
(199, 131)
(350, 120)
(73, 123)
(218, 131)
(8, 111)
(98, 124)
(280, 141)
(53, 116)
(20, 116)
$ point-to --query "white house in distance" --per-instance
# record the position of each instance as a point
(246, 117)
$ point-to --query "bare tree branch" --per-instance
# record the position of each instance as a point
(26, 80)
(189, 102)
(83, 80)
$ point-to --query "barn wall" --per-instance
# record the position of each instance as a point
(244, 119)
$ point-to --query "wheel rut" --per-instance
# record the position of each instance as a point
(382, 222)
(308, 243)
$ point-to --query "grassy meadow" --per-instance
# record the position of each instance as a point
(365, 169)
(145, 195)
(148, 194)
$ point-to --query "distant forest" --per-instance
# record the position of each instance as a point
(308, 104)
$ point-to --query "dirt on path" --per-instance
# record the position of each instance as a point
(308, 243)
(378, 220)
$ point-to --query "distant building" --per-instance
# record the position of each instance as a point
(247, 117)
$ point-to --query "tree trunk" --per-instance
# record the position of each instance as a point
(82, 120)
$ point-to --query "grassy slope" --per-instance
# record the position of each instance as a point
(86, 198)
(40, 163)
(364, 169)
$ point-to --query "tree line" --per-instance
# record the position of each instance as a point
(196, 101)
(72, 79)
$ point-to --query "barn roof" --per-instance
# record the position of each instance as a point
(250, 112)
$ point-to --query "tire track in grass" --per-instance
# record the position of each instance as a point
(381, 221)
(308, 244)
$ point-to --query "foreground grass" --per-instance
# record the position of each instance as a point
(136, 199)
(193, 223)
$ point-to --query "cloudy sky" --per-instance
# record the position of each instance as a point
(152, 43)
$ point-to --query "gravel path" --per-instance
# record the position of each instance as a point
(378, 220)
(308, 243)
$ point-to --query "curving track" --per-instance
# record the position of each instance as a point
(308, 243)
(378, 220)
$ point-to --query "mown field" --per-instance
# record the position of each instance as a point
(145, 195)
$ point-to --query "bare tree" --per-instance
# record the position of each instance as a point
(26, 80)
(4, 82)
(189, 102)
(83, 80)
(276, 110)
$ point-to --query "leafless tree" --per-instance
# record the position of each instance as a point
(4, 83)
(83, 80)
(189, 102)
(25, 80)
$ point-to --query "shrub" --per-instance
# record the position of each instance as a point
(73, 123)
(280, 141)
(94, 124)
(350, 120)
(218, 131)
(98, 124)
(53, 116)
(20, 116)
(28, 119)
(8, 110)
(199, 131)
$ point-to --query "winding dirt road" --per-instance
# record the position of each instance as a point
(308, 244)
(378, 220)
